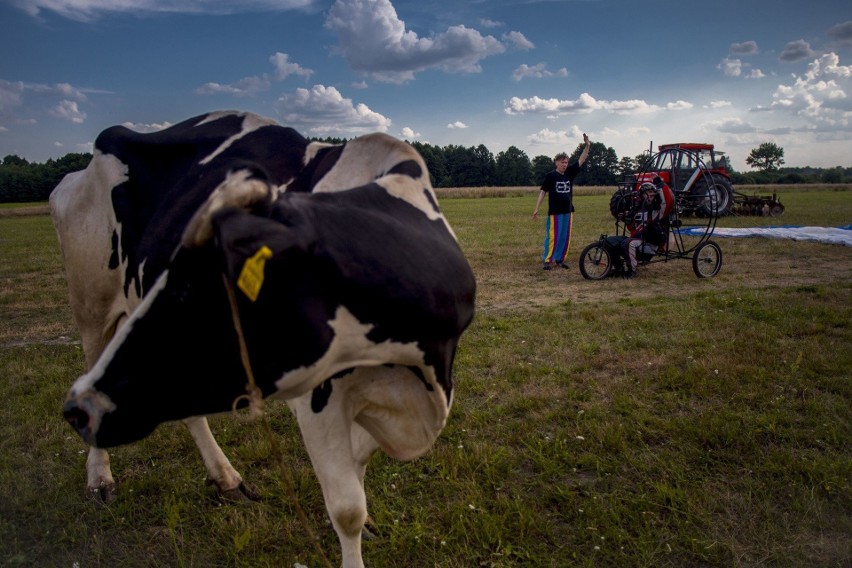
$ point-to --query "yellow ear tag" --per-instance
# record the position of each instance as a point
(251, 276)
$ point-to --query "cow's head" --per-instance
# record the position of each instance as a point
(322, 282)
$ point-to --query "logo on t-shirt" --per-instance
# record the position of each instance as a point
(563, 187)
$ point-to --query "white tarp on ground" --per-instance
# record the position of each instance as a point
(832, 235)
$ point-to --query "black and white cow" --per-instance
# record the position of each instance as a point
(348, 284)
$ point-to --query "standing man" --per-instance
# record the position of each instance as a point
(558, 186)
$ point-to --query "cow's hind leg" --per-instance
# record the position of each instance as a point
(364, 446)
(220, 472)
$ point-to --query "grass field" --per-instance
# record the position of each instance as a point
(666, 421)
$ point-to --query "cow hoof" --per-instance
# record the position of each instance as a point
(240, 494)
(104, 493)
(369, 530)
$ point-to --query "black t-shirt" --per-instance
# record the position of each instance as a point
(560, 190)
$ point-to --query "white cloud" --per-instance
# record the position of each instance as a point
(68, 110)
(146, 128)
(537, 71)
(14, 94)
(831, 65)
(86, 10)
(374, 40)
(11, 94)
(409, 134)
(68, 91)
(731, 67)
(549, 137)
(487, 23)
(820, 94)
(736, 68)
(585, 103)
(251, 86)
(324, 111)
(679, 105)
(245, 87)
(457, 124)
(719, 104)
(569, 138)
(518, 40)
(284, 67)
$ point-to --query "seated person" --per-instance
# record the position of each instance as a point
(647, 230)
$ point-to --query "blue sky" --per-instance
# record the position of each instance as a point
(524, 73)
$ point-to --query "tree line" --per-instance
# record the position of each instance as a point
(22, 181)
(459, 166)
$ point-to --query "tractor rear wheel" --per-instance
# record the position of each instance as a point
(713, 196)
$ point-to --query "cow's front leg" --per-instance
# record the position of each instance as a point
(339, 451)
(100, 485)
(220, 472)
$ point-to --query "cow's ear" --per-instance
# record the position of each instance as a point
(246, 241)
(245, 188)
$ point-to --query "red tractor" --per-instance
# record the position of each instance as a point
(698, 175)
(694, 170)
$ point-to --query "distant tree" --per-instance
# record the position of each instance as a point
(834, 175)
(72, 162)
(22, 181)
(513, 168)
(541, 166)
(485, 166)
(14, 160)
(767, 157)
(459, 164)
(329, 140)
(434, 158)
(20, 184)
(641, 159)
(792, 178)
(601, 167)
(626, 167)
(468, 167)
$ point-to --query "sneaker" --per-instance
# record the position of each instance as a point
(546, 266)
(629, 274)
(563, 265)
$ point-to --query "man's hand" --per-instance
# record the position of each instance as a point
(585, 138)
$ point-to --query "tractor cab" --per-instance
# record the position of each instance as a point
(680, 168)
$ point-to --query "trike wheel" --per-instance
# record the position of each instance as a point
(595, 261)
(707, 260)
